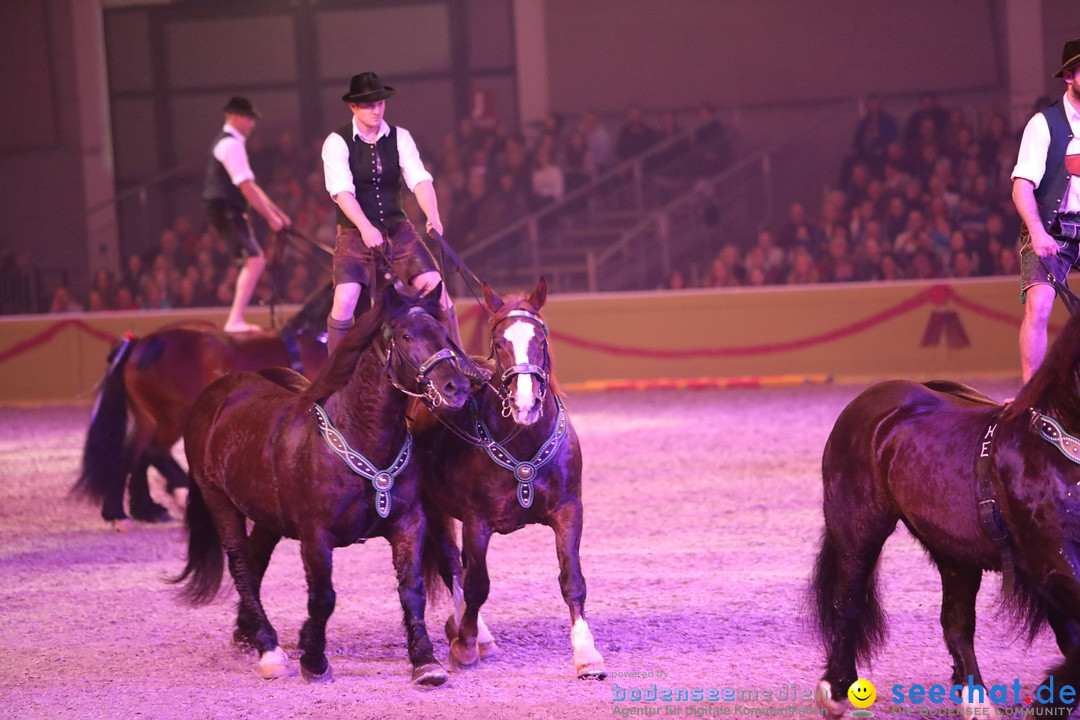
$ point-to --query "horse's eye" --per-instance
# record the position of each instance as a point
(406, 337)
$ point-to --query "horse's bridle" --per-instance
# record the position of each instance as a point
(540, 372)
(428, 392)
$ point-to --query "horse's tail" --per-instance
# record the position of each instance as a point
(205, 558)
(106, 457)
(856, 620)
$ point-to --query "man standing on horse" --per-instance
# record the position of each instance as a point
(366, 164)
(229, 189)
(1047, 197)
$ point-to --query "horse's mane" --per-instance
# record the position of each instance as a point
(342, 363)
(1053, 387)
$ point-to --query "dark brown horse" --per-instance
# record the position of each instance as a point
(328, 464)
(981, 487)
(512, 459)
(155, 379)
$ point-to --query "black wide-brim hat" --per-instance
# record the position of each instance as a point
(1070, 56)
(239, 105)
(367, 88)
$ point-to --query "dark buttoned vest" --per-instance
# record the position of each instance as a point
(1051, 191)
(218, 185)
(376, 173)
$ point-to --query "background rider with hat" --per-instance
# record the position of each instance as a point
(367, 163)
(228, 191)
(1046, 192)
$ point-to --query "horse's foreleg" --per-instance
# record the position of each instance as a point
(588, 662)
(406, 546)
(959, 588)
(317, 554)
(259, 547)
(442, 532)
(475, 537)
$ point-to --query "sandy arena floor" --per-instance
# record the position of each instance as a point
(702, 514)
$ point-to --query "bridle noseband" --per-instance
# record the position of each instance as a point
(540, 372)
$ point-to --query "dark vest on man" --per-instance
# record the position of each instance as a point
(218, 186)
(376, 171)
(1051, 191)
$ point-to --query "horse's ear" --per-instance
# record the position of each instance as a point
(539, 295)
(491, 299)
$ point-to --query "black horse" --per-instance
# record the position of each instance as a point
(980, 486)
(511, 460)
(328, 464)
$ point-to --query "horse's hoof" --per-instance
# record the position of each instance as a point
(325, 676)
(273, 664)
(121, 524)
(488, 649)
(592, 671)
(431, 674)
(462, 657)
(832, 707)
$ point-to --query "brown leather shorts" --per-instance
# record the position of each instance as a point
(356, 262)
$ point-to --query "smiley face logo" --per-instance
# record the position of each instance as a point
(862, 693)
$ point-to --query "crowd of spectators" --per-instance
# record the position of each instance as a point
(923, 199)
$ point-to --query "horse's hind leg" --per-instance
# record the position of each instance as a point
(588, 662)
(259, 547)
(849, 617)
(449, 562)
(143, 507)
(475, 537)
(232, 528)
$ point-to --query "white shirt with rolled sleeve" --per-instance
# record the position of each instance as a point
(338, 174)
(1031, 159)
(231, 151)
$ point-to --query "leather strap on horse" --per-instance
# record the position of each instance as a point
(989, 512)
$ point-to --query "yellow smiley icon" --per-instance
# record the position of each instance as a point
(862, 693)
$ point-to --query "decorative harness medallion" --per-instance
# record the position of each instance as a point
(1054, 434)
(524, 470)
(381, 480)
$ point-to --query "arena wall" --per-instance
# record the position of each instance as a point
(695, 338)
